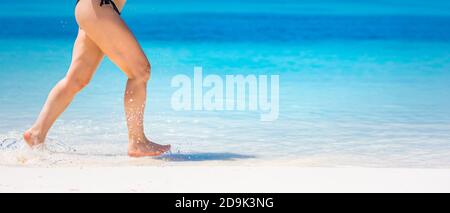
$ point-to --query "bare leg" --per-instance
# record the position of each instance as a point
(107, 29)
(85, 59)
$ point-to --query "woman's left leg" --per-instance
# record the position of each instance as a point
(85, 59)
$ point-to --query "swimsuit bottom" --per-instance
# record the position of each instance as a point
(102, 2)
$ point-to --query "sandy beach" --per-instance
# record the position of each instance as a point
(184, 179)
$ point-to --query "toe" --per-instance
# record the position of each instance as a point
(27, 138)
(27, 135)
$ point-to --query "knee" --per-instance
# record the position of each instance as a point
(141, 71)
(76, 84)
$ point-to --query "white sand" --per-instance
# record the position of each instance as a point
(222, 179)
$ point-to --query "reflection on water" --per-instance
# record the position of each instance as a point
(14, 152)
(203, 157)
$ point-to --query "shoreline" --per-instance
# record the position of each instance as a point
(185, 179)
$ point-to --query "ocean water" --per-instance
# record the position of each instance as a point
(362, 83)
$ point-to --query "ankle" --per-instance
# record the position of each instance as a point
(137, 140)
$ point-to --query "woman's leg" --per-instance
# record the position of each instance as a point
(107, 29)
(85, 58)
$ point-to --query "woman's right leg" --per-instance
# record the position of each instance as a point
(107, 29)
(85, 58)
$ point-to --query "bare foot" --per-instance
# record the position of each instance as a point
(33, 138)
(146, 148)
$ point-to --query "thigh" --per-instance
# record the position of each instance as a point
(86, 57)
(107, 29)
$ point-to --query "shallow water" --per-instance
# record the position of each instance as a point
(355, 90)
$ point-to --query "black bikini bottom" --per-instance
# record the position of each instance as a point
(102, 2)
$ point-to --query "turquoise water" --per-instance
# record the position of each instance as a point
(361, 84)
